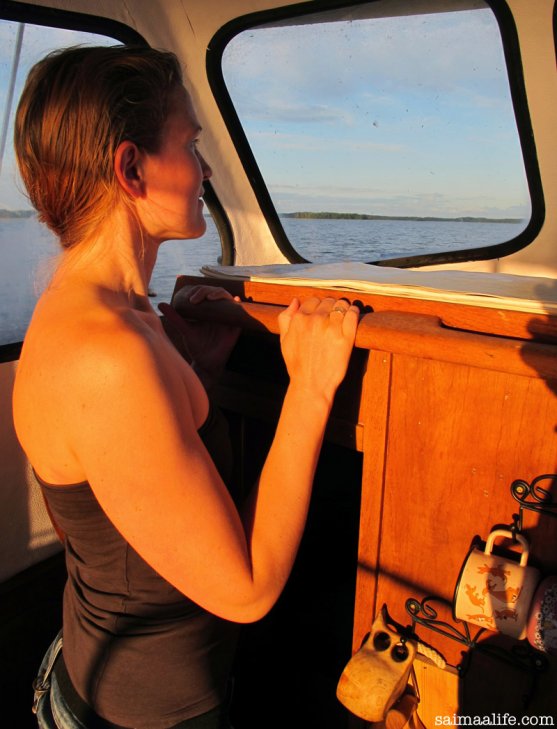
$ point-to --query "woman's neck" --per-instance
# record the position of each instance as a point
(120, 258)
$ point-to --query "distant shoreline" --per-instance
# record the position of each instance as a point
(19, 214)
(413, 218)
(16, 213)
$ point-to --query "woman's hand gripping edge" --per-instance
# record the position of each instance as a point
(317, 337)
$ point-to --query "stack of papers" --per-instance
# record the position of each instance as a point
(492, 290)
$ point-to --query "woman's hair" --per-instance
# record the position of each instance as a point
(78, 104)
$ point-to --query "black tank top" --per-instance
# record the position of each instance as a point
(138, 651)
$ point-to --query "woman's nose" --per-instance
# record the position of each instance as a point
(205, 168)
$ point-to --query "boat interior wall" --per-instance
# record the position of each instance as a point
(32, 571)
(387, 8)
(27, 536)
(537, 21)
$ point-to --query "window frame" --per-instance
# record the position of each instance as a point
(511, 50)
(10, 352)
(12, 10)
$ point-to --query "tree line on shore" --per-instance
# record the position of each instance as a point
(363, 216)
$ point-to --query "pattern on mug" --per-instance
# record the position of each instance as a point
(496, 587)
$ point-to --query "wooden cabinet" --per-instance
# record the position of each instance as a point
(445, 419)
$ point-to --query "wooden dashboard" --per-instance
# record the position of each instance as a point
(448, 406)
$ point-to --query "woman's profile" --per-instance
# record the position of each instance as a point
(132, 458)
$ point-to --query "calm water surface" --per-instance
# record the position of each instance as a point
(29, 253)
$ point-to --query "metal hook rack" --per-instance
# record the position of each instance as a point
(533, 497)
(521, 655)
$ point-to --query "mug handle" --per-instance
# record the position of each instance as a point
(509, 535)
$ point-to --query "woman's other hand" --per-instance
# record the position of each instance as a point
(317, 337)
(205, 345)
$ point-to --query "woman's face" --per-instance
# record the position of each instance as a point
(173, 176)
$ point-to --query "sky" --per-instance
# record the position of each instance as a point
(393, 116)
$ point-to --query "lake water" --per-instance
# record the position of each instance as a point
(29, 252)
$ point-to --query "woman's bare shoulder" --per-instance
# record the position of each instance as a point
(69, 345)
(91, 365)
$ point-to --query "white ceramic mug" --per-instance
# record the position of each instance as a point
(496, 592)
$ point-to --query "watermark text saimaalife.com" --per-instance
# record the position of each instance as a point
(494, 719)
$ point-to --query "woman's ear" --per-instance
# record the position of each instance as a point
(127, 168)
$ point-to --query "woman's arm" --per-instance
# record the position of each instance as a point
(136, 439)
(316, 345)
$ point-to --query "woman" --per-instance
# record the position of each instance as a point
(130, 456)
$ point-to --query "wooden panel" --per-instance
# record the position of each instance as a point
(401, 332)
(256, 379)
(374, 413)
(447, 420)
(457, 438)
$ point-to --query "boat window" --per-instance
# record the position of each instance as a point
(383, 136)
(29, 251)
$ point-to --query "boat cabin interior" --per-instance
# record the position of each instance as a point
(444, 430)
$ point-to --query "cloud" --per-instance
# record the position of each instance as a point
(389, 55)
(277, 111)
(310, 143)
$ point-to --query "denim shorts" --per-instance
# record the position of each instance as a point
(53, 712)
(47, 692)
